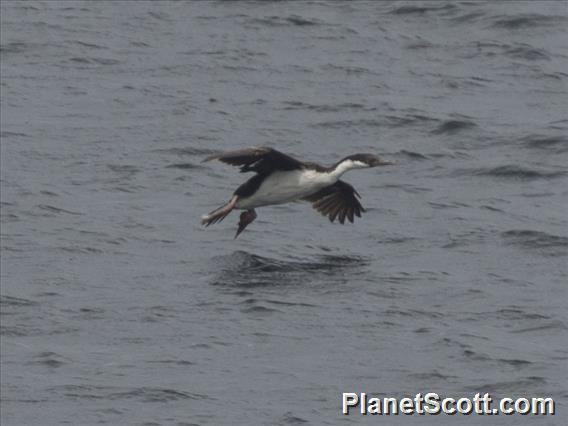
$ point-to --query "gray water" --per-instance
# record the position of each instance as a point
(119, 308)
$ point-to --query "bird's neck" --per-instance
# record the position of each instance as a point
(340, 168)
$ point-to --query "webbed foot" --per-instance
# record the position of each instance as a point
(247, 217)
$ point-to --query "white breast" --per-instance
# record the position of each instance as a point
(283, 187)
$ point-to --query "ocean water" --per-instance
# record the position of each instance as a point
(118, 307)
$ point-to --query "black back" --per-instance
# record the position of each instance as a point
(262, 160)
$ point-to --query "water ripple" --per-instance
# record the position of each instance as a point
(531, 20)
(514, 172)
(554, 144)
(143, 394)
(292, 20)
(422, 9)
(453, 126)
(243, 269)
(554, 245)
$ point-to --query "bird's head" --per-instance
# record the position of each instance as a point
(363, 161)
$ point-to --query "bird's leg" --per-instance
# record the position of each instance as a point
(246, 218)
(219, 214)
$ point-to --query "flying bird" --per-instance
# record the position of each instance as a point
(281, 178)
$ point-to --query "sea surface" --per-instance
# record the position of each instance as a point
(119, 308)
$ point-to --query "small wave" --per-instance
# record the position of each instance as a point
(75, 249)
(462, 82)
(79, 391)
(491, 208)
(453, 126)
(552, 325)
(556, 144)
(287, 303)
(25, 6)
(250, 270)
(380, 121)
(91, 313)
(255, 262)
(514, 172)
(475, 356)
(94, 61)
(89, 45)
(421, 10)
(299, 21)
(5, 134)
(348, 69)
(454, 343)
(290, 418)
(298, 105)
(443, 206)
(7, 218)
(295, 20)
(418, 156)
(514, 314)
(123, 169)
(432, 375)
(49, 359)
(161, 16)
(536, 240)
(413, 155)
(341, 124)
(537, 194)
(189, 151)
(15, 331)
(259, 309)
(514, 362)
(184, 166)
(411, 116)
(468, 17)
(21, 330)
(413, 313)
(57, 210)
(152, 394)
(15, 47)
(528, 52)
(398, 240)
(254, 305)
(412, 189)
(528, 21)
(462, 239)
(556, 75)
(9, 301)
(144, 394)
(139, 43)
(420, 44)
(182, 362)
(74, 9)
(238, 68)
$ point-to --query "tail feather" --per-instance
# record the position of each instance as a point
(213, 218)
(219, 214)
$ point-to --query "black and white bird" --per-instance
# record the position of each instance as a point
(280, 179)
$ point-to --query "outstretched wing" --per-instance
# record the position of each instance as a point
(259, 160)
(337, 201)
